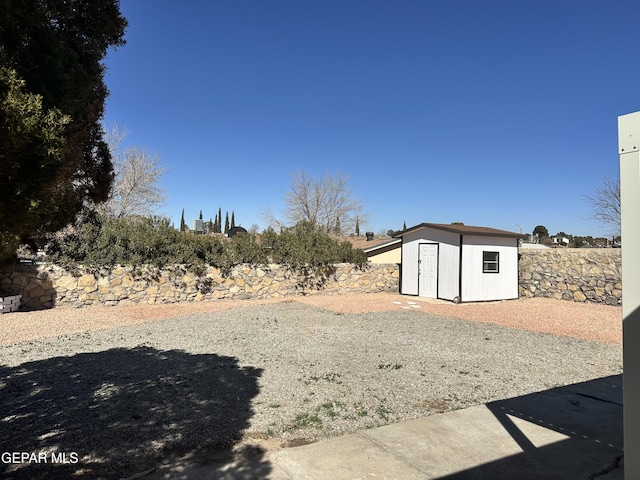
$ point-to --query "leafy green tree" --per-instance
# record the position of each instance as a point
(541, 231)
(183, 225)
(56, 47)
(31, 149)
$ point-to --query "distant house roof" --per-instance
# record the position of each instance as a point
(463, 230)
(382, 247)
(362, 243)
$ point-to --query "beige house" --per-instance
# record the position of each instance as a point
(387, 252)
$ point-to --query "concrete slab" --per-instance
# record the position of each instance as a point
(562, 434)
(351, 457)
(455, 441)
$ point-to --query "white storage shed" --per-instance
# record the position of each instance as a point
(459, 263)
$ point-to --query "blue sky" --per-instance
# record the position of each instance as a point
(492, 113)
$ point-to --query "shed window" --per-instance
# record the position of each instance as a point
(490, 262)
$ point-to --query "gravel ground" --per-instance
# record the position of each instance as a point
(138, 388)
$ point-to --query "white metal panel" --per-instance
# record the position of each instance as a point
(448, 261)
(629, 143)
(479, 286)
(428, 270)
(629, 133)
(409, 271)
(449, 269)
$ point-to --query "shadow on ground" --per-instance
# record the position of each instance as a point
(120, 412)
(588, 424)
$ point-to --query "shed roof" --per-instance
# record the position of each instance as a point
(463, 230)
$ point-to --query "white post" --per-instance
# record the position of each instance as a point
(629, 149)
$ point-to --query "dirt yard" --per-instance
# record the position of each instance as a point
(601, 323)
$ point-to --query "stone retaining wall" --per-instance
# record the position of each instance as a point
(44, 285)
(577, 274)
(582, 275)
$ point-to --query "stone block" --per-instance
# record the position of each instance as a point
(578, 296)
(152, 290)
(86, 280)
(67, 282)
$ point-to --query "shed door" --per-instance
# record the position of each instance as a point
(428, 270)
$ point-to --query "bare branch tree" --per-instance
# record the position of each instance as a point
(136, 189)
(114, 136)
(324, 202)
(605, 202)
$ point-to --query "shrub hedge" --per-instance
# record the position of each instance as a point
(102, 241)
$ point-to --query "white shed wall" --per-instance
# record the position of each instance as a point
(448, 261)
(478, 286)
(409, 271)
(449, 268)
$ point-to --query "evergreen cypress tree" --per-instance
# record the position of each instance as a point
(404, 226)
(200, 217)
(182, 224)
(233, 219)
(357, 227)
(219, 220)
(226, 223)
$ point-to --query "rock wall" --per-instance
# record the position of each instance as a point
(45, 285)
(581, 275)
(577, 274)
